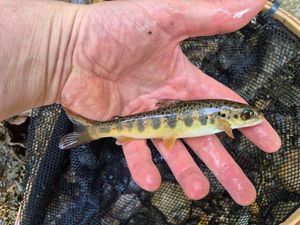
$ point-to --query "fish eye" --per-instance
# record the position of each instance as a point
(247, 114)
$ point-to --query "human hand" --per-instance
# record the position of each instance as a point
(127, 56)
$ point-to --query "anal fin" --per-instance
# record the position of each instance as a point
(123, 140)
(169, 142)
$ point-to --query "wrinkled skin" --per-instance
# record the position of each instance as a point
(127, 56)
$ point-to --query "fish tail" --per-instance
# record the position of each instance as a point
(79, 136)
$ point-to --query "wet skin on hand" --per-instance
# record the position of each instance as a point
(144, 66)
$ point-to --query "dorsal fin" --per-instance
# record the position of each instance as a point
(163, 103)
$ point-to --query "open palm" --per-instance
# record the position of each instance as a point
(127, 56)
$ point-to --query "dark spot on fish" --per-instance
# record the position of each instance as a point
(149, 32)
(119, 126)
(129, 125)
(203, 119)
(236, 116)
(155, 122)
(188, 120)
(104, 128)
(223, 115)
(171, 120)
(140, 125)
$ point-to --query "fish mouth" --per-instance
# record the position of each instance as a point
(260, 115)
(260, 118)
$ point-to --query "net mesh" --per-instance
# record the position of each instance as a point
(91, 184)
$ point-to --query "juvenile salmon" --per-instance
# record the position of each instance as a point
(173, 119)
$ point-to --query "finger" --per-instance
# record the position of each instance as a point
(263, 136)
(187, 173)
(229, 174)
(209, 17)
(141, 166)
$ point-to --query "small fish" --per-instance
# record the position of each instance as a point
(173, 119)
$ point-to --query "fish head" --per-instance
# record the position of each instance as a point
(245, 116)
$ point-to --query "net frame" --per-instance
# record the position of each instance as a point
(293, 24)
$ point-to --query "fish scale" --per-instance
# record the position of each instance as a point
(174, 119)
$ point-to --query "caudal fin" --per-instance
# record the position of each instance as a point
(79, 136)
(72, 140)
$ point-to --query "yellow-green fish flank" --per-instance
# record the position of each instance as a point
(172, 120)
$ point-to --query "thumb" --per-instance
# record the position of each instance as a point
(209, 17)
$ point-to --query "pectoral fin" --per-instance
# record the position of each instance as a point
(169, 142)
(123, 140)
(224, 125)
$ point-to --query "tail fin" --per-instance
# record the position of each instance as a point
(79, 136)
